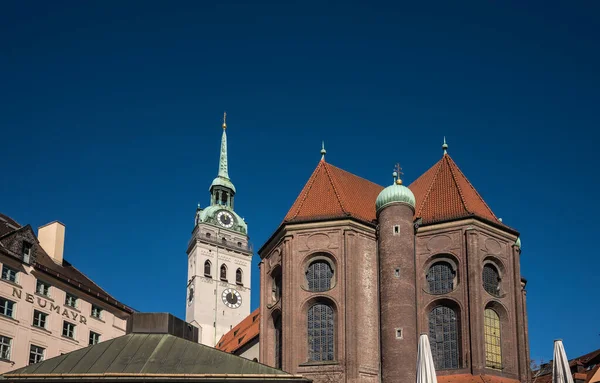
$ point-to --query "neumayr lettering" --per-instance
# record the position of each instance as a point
(43, 303)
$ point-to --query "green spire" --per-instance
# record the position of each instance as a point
(445, 146)
(223, 158)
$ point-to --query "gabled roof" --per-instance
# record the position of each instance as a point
(65, 272)
(468, 378)
(444, 193)
(158, 357)
(242, 334)
(334, 193)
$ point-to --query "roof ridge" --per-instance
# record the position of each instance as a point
(354, 175)
(471, 186)
(460, 192)
(437, 172)
(311, 181)
(337, 195)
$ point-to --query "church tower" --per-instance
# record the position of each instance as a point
(397, 282)
(219, 260)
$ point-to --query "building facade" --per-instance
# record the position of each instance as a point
(357, 271)
(47, 306)
(219, 261)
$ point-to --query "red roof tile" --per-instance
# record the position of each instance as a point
(333, 193)
(443, 193)
(468, 378)
(241, 334)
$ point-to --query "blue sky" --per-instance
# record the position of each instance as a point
(110, 116)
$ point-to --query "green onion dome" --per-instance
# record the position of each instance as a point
(395, 193)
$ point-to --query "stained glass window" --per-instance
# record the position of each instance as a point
(278, 333)
(493, 345)
(320, 332)
(443, 335)
(319, 275)
(440, 278)
(491, 280)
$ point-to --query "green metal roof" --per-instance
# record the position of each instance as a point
(150, 357)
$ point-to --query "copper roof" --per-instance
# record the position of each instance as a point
(241, 334)
(468, 378)
(444, 193)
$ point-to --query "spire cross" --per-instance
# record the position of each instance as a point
(398, 173)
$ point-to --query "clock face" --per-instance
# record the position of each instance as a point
(232, 298)
(225, 218)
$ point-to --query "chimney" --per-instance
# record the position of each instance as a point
(52, 240)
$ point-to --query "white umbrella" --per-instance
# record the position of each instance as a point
(425, 367)
(561, 373)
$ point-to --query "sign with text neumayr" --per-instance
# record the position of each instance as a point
(43, 303)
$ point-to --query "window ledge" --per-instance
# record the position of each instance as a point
(7, 361)
(98, 319)
(11, 283)
(319, 363)
(42, 329)
(239, 283)
(72, 308)
(7, 318)
(69, 339)
(46, 297)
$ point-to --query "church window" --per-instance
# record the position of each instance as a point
(493, 345)
(191, 294)
(440, 278)
(278, 334)
(276, 287)
(320, 332)
(319, 276)
(491, 280)
(443, 334)
(207, 268)
(223, 272)
(238, 277)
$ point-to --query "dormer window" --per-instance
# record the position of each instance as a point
(26, 252)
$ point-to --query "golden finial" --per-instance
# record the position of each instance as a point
(224, 120)
(398, 172)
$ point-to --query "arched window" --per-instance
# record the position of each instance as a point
(493, 339)
(223, 272)
(207, 268)
(440, 278)
(238, 277)
(319, 276)
(320, 332)
(191, 294)
(443, 334)
(276, 287)
(491, 280)
(278, 334)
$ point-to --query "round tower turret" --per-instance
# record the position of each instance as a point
(396, 240)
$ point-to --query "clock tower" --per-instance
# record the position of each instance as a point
(219, 261)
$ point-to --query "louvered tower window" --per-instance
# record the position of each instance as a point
(319, 276)
(278, 333)
(443, 334)
(320, 332)
(440, 278)
(207, 267)
(223, 272)
(238, 276)
(493, 339)
(491, 280)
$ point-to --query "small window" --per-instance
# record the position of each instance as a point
(207, 268)
(276, 287)
(191, 294)
(7, 308)
(396, 229)
(239, 244)
(223, 240)
(39, 319)
(26, 252)
(491, 280)
(68, 330)
(94, 338)
(399, 334)
(36, 354)
(5, 347)
(96, 312)
(223, 272)
(42, 288)
(9, 274)
(70, 300)
(238, 277)
(207, 235)
(319, 276)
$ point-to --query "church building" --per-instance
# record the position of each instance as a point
(219, 259)
(356, 272)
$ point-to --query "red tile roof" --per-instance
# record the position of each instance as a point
(468, 378)
(443, 193)
(241, 334)
(590, 362)
(334, 193)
